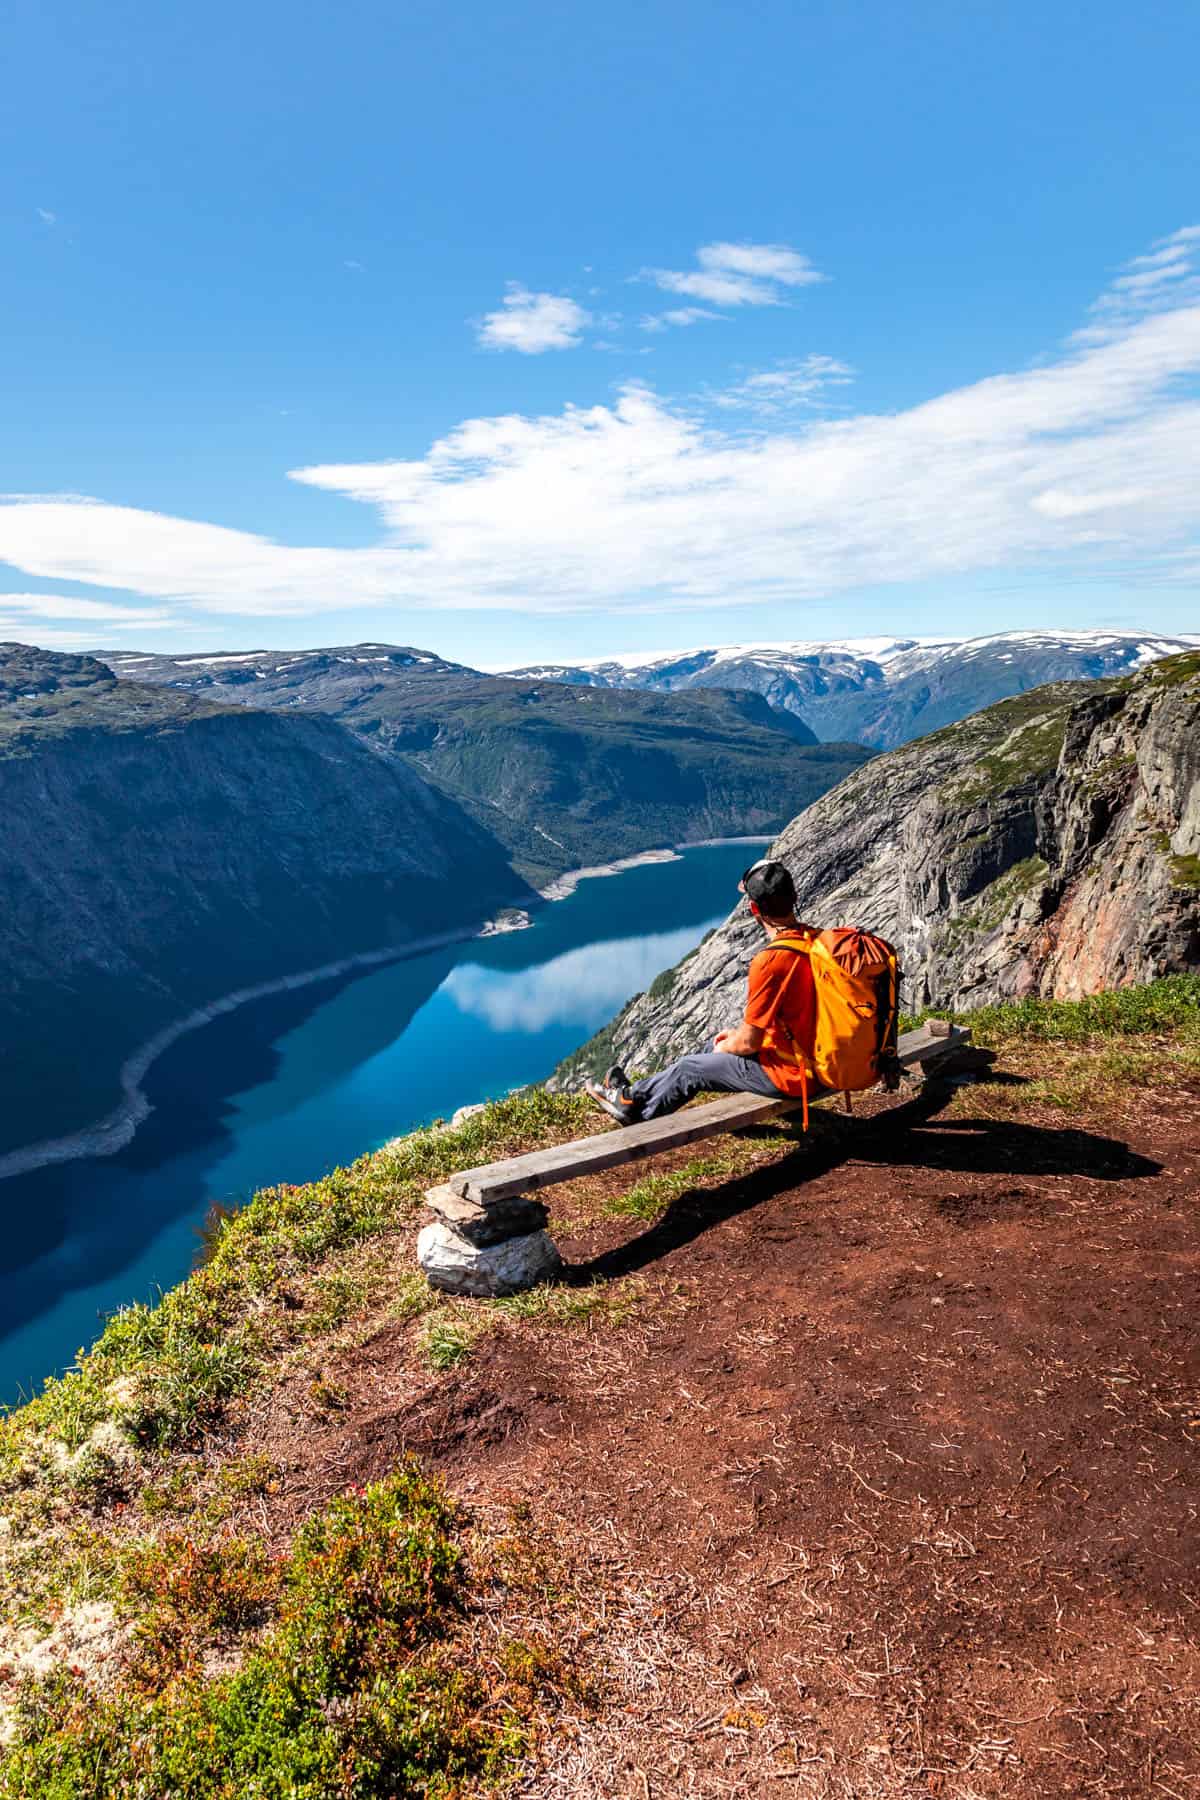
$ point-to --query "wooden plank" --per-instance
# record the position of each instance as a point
(630, 1143)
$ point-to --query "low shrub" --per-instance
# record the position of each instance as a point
(352, 1693)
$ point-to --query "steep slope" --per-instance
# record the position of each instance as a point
(563, 775)
(1049, 845)
(885, 691)
(160, 852)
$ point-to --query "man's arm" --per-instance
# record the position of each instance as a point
(746, 1040)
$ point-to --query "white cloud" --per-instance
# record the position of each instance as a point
(68, 606)
(676, 315)
(46, 216)
(533, 323)
(1087, 462)
(1057, 504)
(739, 274)
(802, 382)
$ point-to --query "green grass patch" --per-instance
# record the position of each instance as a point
(352, 1691)
(447, 1342)
(647, 1198)
(1173, 671)
(608, 1303)
(1169, 1005)
(451, 1335)
(1032, 748)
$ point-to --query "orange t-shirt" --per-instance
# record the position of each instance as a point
(775, 973)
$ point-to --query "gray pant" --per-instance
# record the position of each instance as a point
(709, 1069)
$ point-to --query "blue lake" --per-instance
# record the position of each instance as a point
(289, 1087)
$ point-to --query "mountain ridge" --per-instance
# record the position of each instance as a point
(884, 691)
(565, 776)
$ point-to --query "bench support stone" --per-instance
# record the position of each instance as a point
(486, 1271)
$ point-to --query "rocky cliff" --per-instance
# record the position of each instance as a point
(159, 852)
(1049, 845)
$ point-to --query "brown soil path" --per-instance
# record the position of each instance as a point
(897, 1495)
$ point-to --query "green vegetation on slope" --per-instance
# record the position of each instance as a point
(564, 776)
(1169, 1005)
(568, 776)
(1013, 741)
(352, 1690)
(158, 1374)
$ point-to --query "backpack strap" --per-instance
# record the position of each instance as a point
(799, 950)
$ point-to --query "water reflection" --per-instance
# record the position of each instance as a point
(583, 987)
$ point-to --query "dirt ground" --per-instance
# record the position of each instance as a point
(890, 1486)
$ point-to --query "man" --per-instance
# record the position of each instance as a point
(767, 1053)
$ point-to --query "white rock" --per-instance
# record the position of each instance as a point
(457, 1267)
(467, 1112)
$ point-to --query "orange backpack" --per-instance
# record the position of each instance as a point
(856, 978)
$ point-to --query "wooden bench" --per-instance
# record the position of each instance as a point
(468, 1196)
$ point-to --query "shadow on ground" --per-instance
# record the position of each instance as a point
(908, 1136)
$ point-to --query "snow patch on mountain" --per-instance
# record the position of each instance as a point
(881, 691)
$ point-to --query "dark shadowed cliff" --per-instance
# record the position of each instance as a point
(159, 852)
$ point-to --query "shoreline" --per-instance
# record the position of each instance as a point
(566, 883)
(108, 1135)
(118, 1128)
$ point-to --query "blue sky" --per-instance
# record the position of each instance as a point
(546, 331)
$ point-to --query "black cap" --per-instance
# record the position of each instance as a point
(770, 886)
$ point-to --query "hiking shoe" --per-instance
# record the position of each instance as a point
(617, 1102)
(617, 1078)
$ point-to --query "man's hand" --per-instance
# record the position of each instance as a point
(745, 1041)
(721, 1040)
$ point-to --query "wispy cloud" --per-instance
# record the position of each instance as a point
(1086, 462)
(46, 216)
(1163, 279)
(802, 382)
(739, 275)
(676, 315)
(77, 623)
(70, 606)
(533, 323)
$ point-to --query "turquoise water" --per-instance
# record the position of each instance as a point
(286, 1088)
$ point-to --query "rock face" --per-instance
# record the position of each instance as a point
(159, 852)
(884, 691)
(1049, 846)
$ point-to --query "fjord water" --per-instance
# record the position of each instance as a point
(288, 1087)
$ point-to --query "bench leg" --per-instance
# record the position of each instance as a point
(486, 1252)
